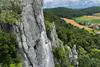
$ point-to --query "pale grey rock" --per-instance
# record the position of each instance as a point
(31, 36)
(54, 37)
(73, 56)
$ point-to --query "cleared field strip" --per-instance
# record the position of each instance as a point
(89, 19)
(74, 23)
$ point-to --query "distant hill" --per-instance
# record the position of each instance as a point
(97, 14)
(70, 13)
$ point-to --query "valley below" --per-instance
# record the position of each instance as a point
(81, 25)
(77, 30)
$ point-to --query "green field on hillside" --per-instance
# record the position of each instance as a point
(88, 19)
(97, 14)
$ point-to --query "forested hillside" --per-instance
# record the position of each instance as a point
(70, 13)
(88, 44)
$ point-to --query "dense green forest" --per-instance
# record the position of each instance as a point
(70, 13)
(88, 44)
(9, 15)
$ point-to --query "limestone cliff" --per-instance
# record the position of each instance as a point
(31, 35)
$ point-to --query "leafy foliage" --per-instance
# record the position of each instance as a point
(70, 13)
(8, 51)
(9, 14)
(9, 11)
(88, 44)
(61, 54)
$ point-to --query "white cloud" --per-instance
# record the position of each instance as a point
(71, 3)
(48, 0)
(61, 0)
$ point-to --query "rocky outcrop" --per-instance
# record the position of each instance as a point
(53, 36)
(31, 36)
(70, 53)
(73, 56)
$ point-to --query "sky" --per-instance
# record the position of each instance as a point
(71, 3)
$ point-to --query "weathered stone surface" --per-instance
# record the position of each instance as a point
(73, 55)
(31, 35)
(54, 37)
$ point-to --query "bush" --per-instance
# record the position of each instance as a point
(8, 49)
(10, 11)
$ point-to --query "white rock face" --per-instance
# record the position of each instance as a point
(73, 55)
(54, 37)
(31, 35)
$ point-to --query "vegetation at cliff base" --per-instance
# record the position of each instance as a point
(9, 15)
(88, 44)
(8, 51)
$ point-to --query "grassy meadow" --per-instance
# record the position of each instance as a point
(88, 19)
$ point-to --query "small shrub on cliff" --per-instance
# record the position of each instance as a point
(9, 11)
